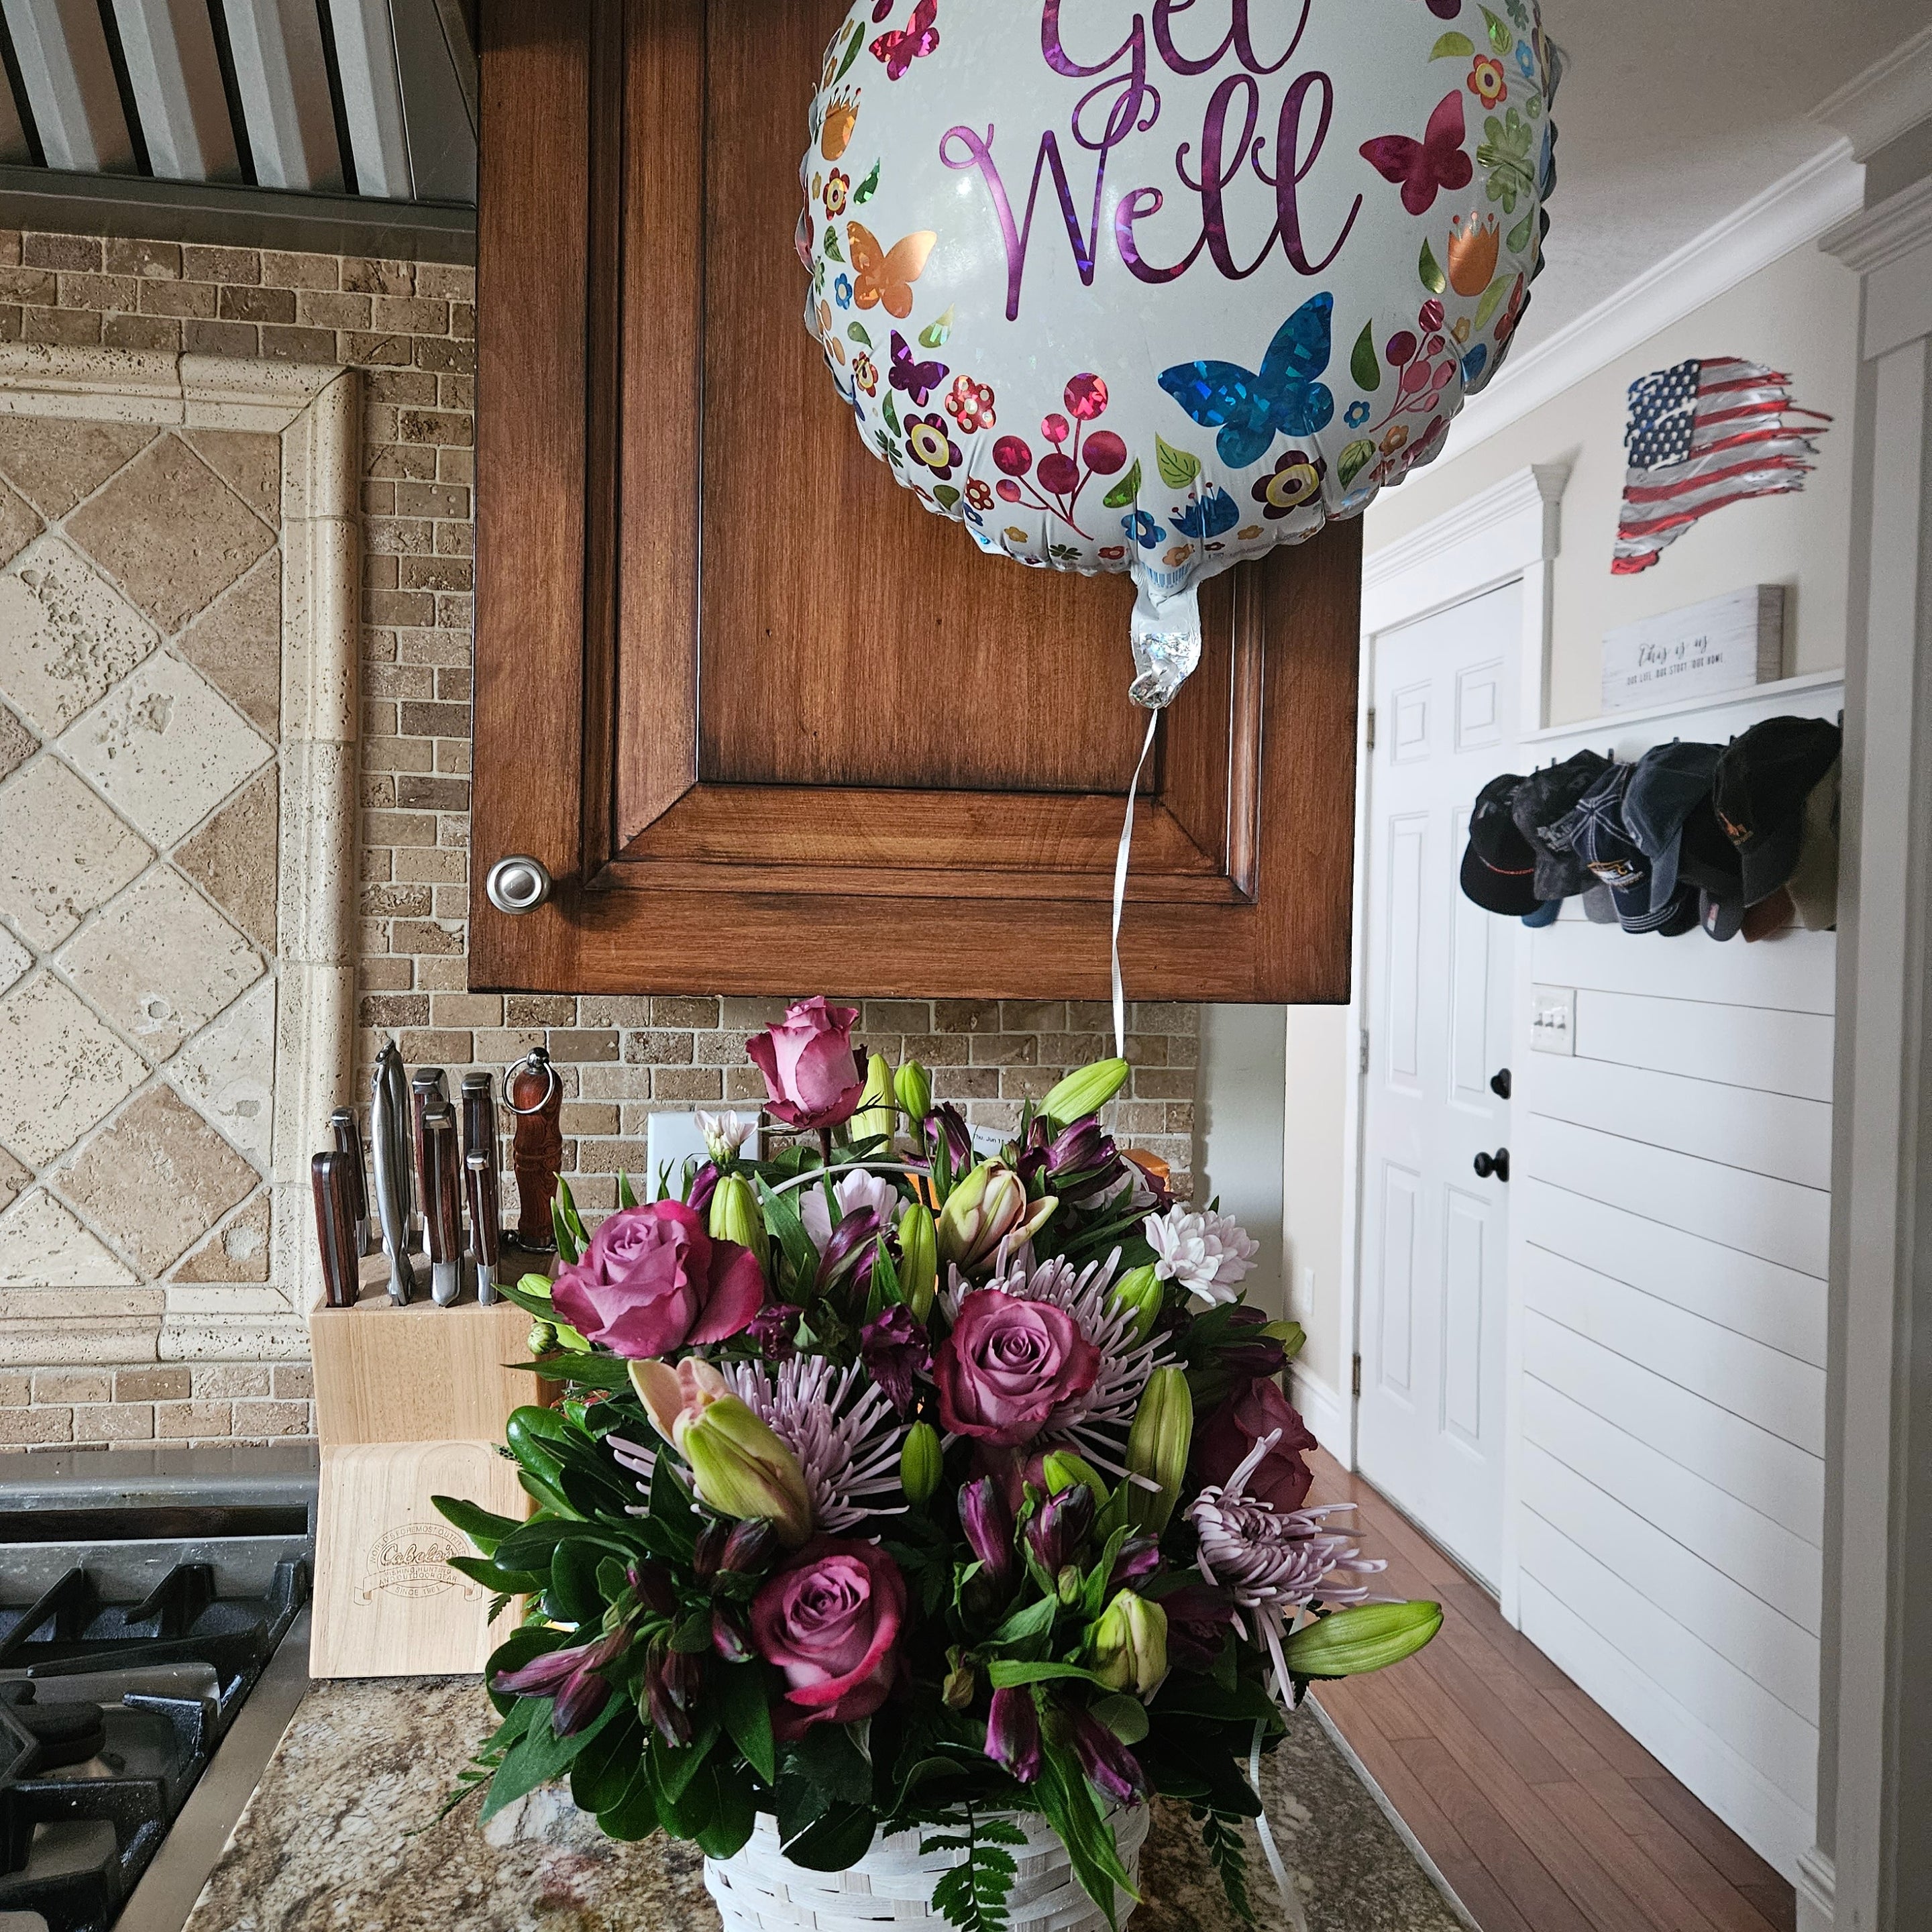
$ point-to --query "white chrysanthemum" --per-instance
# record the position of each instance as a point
(1207, 1253)
(840, 1426)
(854, 1191)
(1274, 1562)
(724, 1134)
(1097, 1422)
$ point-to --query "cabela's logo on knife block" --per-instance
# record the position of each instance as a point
(412, 1559)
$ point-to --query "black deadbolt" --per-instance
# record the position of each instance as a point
(1496, 1163)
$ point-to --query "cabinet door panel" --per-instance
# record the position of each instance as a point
(795, 729)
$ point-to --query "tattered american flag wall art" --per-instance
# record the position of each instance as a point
(1700, 435)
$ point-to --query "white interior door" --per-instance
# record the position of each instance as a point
(1430, 1420)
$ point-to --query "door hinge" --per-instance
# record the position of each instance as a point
(1355, 1376)
(1362, 1051)
(1372, 728)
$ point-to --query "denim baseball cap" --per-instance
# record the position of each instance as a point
(1665, 785)
(1598, 834)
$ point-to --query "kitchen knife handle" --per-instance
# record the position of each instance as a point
(426, 1091)
(443, 1214)
(331, 1179)
(348, 1133)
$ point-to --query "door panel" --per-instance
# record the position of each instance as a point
(1430, 1420)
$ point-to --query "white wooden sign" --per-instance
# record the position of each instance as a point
(1730, 642)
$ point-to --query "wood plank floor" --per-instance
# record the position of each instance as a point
(1542, 1813)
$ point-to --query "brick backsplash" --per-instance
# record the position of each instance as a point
(409, 326)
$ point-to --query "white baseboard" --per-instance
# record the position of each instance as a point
(1326, 1413)
(1817, 1890)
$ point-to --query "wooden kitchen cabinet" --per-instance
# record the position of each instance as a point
(769, 724)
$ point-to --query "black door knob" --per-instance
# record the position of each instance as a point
(1499, 1084)
(1496, 1163)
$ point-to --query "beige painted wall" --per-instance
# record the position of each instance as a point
(1800, 315)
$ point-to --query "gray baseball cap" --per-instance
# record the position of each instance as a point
(1539, 804)
(1664, 790)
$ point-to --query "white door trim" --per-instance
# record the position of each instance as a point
(1511, 531)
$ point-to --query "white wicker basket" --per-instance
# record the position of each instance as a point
(759, 1889)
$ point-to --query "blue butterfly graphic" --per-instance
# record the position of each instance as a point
(1284, 399)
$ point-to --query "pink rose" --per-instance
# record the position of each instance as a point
(1223, 1441)
(652, 1280)
(806, 1059)
(829, 1620)
(1008, 1364)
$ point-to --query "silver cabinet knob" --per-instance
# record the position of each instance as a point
(518, 884)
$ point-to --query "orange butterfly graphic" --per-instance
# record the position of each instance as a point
(887, 275)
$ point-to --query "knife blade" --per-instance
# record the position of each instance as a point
(479, 1158)
(332, 1178)
(442, 1205)
(342, 1123)
(426, 1090)
(389, 1143)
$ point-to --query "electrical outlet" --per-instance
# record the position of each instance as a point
(1552, 1019)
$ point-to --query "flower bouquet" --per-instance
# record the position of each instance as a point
(891, 1489)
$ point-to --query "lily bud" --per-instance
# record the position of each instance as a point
(988, 1206)
(989, 1525)
(1157, 1449)
(876, 1116)
(913, 1085)
(737, 1217)
(739, 1467)
(1139, 1289)
(1085, 1090)
(1062, 1468)
(1056, 1529)
(962, 1683)
(1130, 1645)
(670, 1686)
(918, 1462)
(1369, 1637)
(918, 1258)
(1013, 1733)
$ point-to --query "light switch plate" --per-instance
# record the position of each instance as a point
(1552, 1020)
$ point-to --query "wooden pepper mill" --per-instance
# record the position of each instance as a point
(535, 1095)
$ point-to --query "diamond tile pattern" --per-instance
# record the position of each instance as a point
(17, 744)
(42, 1245)
(156, 1179)
(64, 1069)
(161, 962)
(164, 749)
(14, 1178)
(227, 1072)
(236, 644)
(66, 635)
(14, 959)
(232, 858)
(170, 532)
(19, 525)
(65, 853)
(55, 462)
(238, 1252)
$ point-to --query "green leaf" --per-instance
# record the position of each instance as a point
(746, 1701)
(946, 496)
(1177, 467)
(831, 245)
(635, 1815)
(540, 1755)
(892, 416)
(1069, 1805)
(1492, 296)
(606, 1768)
(482, 1527)
(1003, 1672)
(573, 1595)
(841, 1837)
(560, 1229)
(867, 188)
(1518, 238)
(934, 334)
(781, 1220)
(1125, 1717)
(598, 1371)
(672, 1771)
(1228, 1851)
(733, 1812)
(855, 331)
(1427, 267)
(627, 1195)
(1125, 491)
(1034, 1620)
(1364, 364)
(1453, 47)
(1501, 38)
(1354, 460)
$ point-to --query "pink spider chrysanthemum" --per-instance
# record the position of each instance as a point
(1275, 1561)
(840, 1425)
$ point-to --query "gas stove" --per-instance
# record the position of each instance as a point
(153, 1644)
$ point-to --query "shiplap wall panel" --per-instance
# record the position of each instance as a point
(1669, 1252)
(1776, 1305)
(1764, 1557)
(1765, 1048)
(1775, 1391)
(1763, 1216)
(1734, 1125)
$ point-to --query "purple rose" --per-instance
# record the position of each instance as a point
(806, 1059)
(1222, 1443)
(652, 1280)
(1008, 1364)
(829, 1620)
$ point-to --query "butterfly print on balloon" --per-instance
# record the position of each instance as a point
(1426, 167)
(917, 379)
(900, 48)
(886, 275)
(1284, 399)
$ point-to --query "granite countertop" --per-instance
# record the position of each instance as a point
(342, 1833)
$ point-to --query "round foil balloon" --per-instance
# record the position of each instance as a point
(1153, 288)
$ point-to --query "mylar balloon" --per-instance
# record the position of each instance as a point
(1153, 289)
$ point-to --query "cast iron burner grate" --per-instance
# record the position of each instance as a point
(109, 1713)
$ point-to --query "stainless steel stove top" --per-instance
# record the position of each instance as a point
(153, 1645)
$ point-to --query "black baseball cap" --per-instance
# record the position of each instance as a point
(1542, 802)
(1665, 787)
(1597, 831)
(1498, 866)
(1707, 863)
(1762, 782)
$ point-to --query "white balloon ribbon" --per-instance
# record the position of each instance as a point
(1121, 854)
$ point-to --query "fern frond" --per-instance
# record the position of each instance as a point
(1228, 1850)
(972, 1896)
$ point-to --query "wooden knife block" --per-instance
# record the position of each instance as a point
(410, 1403)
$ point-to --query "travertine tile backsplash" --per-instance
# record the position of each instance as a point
(137, 891)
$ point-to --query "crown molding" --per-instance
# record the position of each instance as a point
(1794, 210)
(1878, 236)
(1890, 98)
